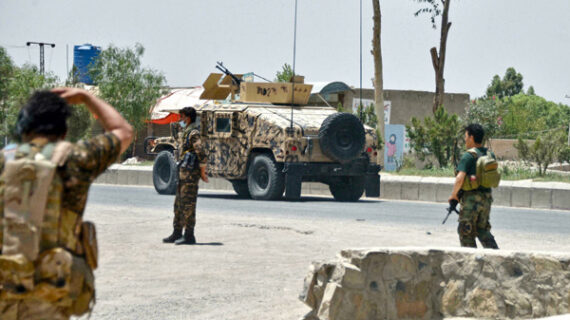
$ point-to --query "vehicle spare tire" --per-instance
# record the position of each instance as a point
(342, 137)
(165, 173)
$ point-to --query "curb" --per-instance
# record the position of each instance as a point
(520, 194)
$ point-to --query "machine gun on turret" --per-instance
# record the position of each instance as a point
(235, 80)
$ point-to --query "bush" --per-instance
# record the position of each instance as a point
(546, 149)
(440, 135)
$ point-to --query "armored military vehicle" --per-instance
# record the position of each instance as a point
(267, 146)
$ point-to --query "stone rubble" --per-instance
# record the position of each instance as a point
(423, 283)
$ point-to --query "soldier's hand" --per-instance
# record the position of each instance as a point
(203, 174)
(453, 197)
(71, 95)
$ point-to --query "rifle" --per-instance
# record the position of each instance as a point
(220, 66)
(453, 206)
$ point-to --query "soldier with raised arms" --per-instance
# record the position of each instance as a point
(48, 253)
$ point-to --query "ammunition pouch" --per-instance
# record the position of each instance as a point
(469, 184)
(59, 278)
(189, 161)
(89, 244)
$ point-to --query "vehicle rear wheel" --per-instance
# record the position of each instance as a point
(265, 179)
(241, 188)
(347, 189)
(165, 173)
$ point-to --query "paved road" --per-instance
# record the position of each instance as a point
(425, 214)
(253, 255)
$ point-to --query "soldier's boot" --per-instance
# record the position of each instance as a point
(487, 239)
(188, 238)
(176, 234)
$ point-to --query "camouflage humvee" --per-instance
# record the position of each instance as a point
(266, 149)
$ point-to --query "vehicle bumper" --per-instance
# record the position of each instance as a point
(297, 172)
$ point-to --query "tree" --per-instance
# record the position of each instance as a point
(126, 85)
(24, 81)
(285, 74)
(438, 61)
(510, 85)
(546, 149)
(80, 120)
(439, 136)
(378, 77)
(6, 72)
(486, 113)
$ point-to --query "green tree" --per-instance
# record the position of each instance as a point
(486, 113)
(510, 85)
(547, 148)
(80, 121)
(6, 73)
(126, 85)
(439, 136)
(528, 115)
(24, 81)
(285, 74)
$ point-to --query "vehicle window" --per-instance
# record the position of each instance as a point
(223, 125)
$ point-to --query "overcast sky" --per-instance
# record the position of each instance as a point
(184, 39)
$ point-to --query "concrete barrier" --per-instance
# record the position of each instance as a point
(424, 283)
(522, 193)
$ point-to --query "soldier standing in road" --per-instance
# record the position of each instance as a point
(192, 167)
(48, 253)
(475, 203)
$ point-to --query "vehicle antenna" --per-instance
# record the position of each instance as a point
(291, 130)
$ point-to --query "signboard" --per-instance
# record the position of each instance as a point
(393, 146)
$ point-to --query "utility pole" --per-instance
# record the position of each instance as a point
(41, 44)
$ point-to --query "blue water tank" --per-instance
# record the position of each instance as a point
(83, 56)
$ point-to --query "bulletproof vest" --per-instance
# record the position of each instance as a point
(41, 247)
(487, 171)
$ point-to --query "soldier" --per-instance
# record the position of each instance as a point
(192, 167)
(475, 202)
(48, 251)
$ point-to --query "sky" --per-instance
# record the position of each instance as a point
(184, 39)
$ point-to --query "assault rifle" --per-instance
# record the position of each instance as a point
(236, 81)
(453, 206)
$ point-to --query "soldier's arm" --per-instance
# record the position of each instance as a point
(457, 186)
(111, 119)
(200, 154)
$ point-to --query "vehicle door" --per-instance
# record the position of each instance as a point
(223, 145)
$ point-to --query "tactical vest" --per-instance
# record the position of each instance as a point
(487, 171)
(47, 252)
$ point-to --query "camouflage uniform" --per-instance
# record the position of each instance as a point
(187, 189)
(86, 160)
(475, 209)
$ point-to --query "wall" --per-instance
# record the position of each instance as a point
(424, 283)
(405, 103)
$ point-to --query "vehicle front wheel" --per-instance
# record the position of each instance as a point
(165, 173)
(265, 178)
(347, 189)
